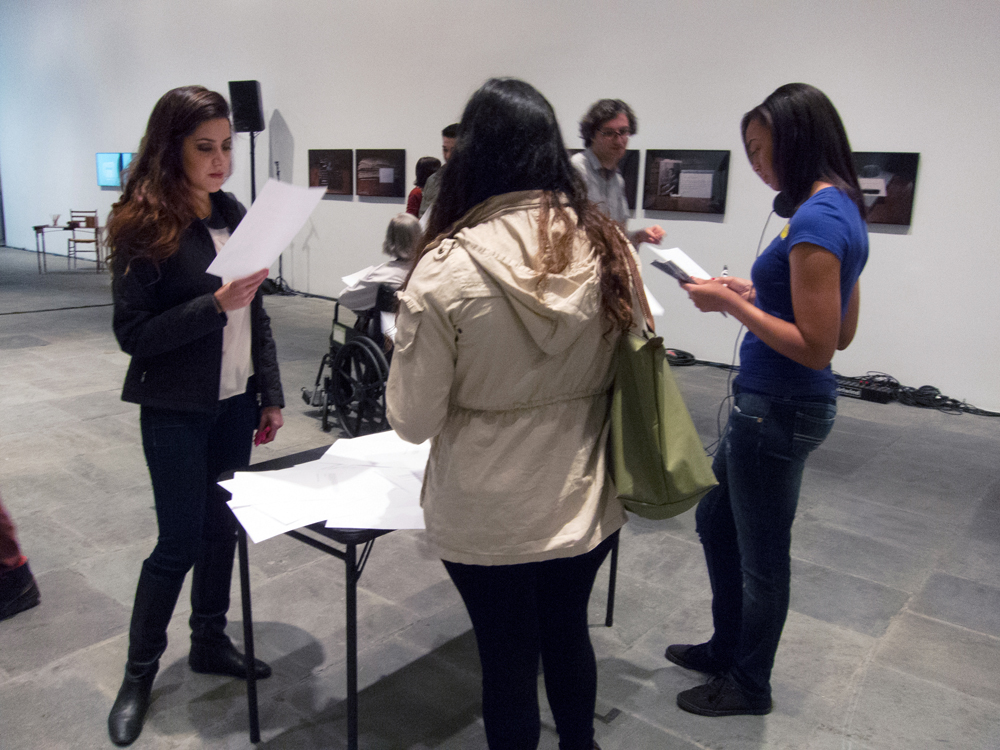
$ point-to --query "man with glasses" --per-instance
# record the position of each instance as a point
(605, 130)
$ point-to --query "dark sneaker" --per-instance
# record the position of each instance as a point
(18, 592)
(722, 697)
(696, 658)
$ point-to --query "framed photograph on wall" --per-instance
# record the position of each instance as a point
(381, 172)
(332, 168)
(691, 181)
(888, 181)
(629, 168)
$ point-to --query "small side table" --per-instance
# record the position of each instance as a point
(40, 247)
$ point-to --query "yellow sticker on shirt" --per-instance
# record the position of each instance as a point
(784, 232)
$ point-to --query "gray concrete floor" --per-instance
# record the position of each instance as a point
(891, 642)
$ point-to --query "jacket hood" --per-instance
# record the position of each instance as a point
(501, 237)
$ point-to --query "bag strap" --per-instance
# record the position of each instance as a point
(640, 292)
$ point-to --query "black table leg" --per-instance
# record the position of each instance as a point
(351, 566)
(609, 618)
(248, 637)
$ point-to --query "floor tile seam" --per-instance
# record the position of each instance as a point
(909, 594)
(626, 575)
(857, 682)
(870, 501)
(918, 513)
(935, 683)
(64, 662)
(969, 580)
(338, 663)
(678, 536)
(664, 728)
(906, 609)
(277, 578)
(888, 542)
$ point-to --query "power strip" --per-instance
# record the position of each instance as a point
(880, 394)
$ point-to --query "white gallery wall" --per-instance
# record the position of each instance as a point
(81, 76)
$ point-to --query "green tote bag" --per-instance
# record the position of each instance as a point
(657, 460)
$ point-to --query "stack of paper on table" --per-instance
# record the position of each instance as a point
(370, 482)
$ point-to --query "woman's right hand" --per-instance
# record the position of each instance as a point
(742, 287)
(239, 293)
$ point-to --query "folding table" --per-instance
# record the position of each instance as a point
(318, 536)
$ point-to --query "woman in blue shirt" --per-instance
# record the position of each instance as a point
(800, 307)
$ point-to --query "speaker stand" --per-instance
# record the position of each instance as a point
(278, 285)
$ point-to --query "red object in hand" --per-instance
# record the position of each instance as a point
(261, 435)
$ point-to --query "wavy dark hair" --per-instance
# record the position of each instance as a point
(809, 142)
(509, 140)
(155, 207)
(600, 112)
(426, 166)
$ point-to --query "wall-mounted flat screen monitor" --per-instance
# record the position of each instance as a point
(110, 166)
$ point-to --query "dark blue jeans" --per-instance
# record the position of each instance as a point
(186, 452)
(521, 612)
(745, 525)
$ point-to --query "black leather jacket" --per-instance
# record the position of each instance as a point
(165, 318)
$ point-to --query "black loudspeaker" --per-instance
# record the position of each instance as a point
(248, 107)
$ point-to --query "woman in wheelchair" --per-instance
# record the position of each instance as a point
(351, 378)
(400, 243)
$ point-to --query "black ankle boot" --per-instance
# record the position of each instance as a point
(18, 592)
(129, 712)
(221, 657)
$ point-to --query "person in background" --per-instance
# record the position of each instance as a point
(204, 371)
(401, 238)
(504, 356)
(801, 307)
(18, 589)
(605, 130)
(426, 166)
(430, 192)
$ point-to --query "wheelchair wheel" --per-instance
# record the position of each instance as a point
(357, 387)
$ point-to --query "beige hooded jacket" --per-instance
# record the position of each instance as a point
(510, 378)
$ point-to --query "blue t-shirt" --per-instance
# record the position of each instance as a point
(831, 220)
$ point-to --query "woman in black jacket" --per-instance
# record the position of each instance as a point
(205, 372)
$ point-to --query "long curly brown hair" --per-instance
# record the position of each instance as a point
(155, 207)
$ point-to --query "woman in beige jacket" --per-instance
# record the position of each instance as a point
(504, 358)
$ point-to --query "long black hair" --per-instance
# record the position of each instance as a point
(809, 142)
(508, 141)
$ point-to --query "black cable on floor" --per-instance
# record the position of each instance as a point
(56, 309)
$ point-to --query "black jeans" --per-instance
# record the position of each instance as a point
(521, 612)
(186, 452)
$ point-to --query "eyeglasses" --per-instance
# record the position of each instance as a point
(610, 133)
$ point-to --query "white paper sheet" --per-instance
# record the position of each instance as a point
(388, 325)
(655, 308)
(354, 278)
(371, 482)
(681, 259)
(273, 220)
